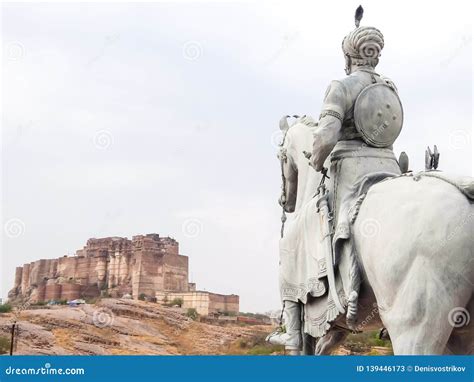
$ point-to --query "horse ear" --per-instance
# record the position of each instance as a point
(284, 123)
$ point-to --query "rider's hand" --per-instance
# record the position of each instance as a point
(316, 163)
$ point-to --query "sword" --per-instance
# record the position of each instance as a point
(325, 218)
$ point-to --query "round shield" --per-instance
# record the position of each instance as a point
(378, 115)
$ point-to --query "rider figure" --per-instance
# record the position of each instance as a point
(352, 157)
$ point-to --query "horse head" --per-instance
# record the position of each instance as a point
(296, 143)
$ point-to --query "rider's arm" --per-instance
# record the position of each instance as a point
(330, 123)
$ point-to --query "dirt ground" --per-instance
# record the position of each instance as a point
(121, 326)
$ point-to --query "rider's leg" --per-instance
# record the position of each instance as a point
(351, 278)
(291, 339)
(355, 281)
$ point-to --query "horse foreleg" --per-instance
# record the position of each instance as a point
(309, 344)
(328, 343)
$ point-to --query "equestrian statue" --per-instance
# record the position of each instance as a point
(370, 243)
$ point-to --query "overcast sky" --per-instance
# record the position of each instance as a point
(125, 119)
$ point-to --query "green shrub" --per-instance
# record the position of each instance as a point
(265, 349)
(142, 296)
(5, 308)
(257, 316)
(373, 352)
(229, 314)
(192, 314)
(39, 303)
(177, 301)
(257, 345)
(4, 345)
(363, 342)
(242, 344)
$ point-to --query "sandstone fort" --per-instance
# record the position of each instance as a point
(146, 267)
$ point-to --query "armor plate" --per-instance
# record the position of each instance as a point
(378, 115)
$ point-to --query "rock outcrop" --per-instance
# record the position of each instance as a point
(122, 326)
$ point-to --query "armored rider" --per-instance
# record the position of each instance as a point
(360, 119)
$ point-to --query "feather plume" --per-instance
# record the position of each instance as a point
(358, 15)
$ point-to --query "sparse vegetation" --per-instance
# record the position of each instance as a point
(176, 301)
(39, 303)
(266, 349)
(4, 345)
(228, 314)
(192, 314)
(257, 316)
(374, 352)
(142, 296)
(5, 308)
(363, 343)
(255, 346)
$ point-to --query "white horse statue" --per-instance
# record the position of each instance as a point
(417, 268)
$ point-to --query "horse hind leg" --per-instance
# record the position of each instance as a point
(419, 340)
(424, 271)
(448, 331)
(420, 321)
(461, 340)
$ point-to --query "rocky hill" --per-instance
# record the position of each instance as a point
(121, 326)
